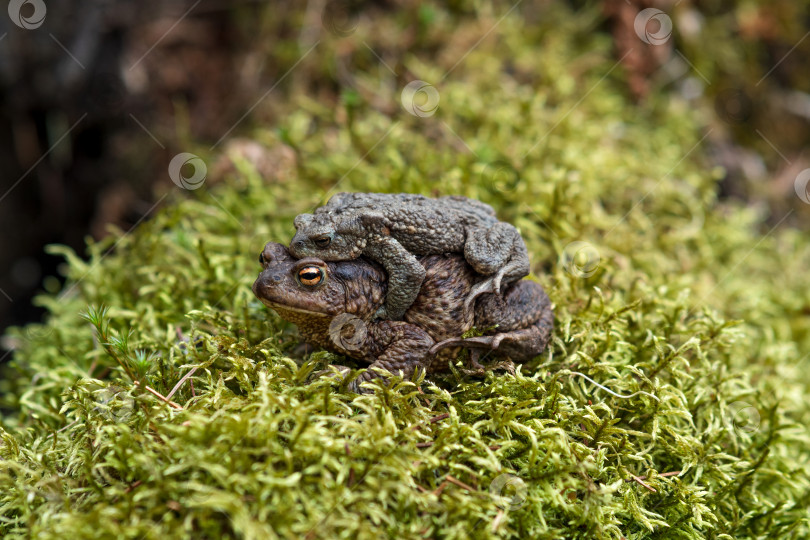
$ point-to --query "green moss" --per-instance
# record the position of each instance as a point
(682, 296)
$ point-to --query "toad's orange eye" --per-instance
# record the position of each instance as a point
(310, 276)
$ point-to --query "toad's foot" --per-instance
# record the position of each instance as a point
(478, 348)
(354, 386)
(381, 313)
(479, 369)
(371, 375)
(498, 253)
(339, 377)
(479, 342)
(476, 368)
(404, 354)
(491, 284)
(339, 374)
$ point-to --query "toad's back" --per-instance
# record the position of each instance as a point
(409, 205)
(421, 224)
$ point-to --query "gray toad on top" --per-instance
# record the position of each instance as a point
(392, 228)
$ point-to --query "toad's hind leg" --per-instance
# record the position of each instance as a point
(519, 345)
(524, 320)
(498, 252)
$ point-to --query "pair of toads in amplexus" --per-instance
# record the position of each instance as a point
(397, 280)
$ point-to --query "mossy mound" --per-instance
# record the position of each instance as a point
(676, 294)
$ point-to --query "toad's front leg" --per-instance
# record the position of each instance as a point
(401, 349)
(405, 275)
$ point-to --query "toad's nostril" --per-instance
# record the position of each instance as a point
(276, 277)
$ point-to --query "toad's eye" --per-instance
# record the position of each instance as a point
(310, 276)
(261, 258)
(322, 241)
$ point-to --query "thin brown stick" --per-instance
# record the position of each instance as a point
(671, 473)
(431, 420)
(459, 483)
(181, 381)
(67, 426)
(133, 486)
(160, 396)
(645, 484)
(350, 479)
(497, 521)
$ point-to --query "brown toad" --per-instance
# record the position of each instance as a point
(333, 304)
(393, 228)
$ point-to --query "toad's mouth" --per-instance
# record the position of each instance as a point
(287, 308)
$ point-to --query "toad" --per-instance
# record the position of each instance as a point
(333, 304)
(394, 228)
